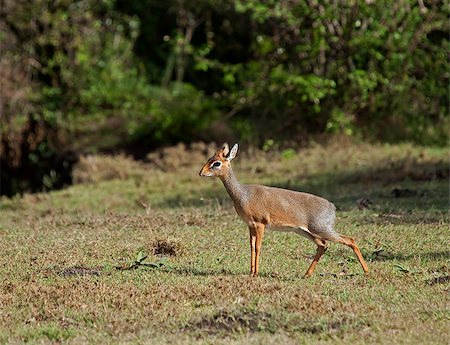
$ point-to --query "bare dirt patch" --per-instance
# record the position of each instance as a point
(249, 321)
(244, 321)
(439, 280)
(79, 271)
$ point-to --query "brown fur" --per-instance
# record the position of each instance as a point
(264, 207)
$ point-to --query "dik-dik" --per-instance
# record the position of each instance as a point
(262, 207)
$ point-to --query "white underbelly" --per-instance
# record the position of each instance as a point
(298, 230)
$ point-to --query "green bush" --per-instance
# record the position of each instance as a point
(83, 76)
(180, 113)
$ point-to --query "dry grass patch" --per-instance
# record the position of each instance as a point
(96, 168)
(181, 156)
(168, 246)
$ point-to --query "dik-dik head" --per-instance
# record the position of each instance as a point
(218, 164)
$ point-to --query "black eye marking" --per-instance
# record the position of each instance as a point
(216, 164)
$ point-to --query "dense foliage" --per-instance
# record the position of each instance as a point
(80, 76)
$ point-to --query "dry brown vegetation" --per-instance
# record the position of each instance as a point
(181, 155)
(68, 271)
(96, 168)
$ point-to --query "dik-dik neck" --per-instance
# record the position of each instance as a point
(233, 187)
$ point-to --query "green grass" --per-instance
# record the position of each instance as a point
(64, 255)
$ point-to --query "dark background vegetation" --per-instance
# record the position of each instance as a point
(133, 75)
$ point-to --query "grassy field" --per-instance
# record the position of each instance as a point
(158, 255)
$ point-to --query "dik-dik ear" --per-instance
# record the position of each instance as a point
(233, 152)
(225, 149)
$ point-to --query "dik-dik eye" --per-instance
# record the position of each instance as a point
(216, 165)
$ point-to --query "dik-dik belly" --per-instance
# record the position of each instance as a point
(261, 215)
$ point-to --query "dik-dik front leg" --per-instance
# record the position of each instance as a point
(256, 237)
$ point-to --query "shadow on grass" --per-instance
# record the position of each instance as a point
(190, 271)
(402, 186)
(211, 198)
(198, 272)
(387, 256)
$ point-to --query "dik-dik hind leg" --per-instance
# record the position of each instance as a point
(352, 244)
(321, 248)
(256, 237)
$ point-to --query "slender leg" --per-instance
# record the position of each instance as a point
(253, 250)
(259, 237)
(352, 244)
(321, 248)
